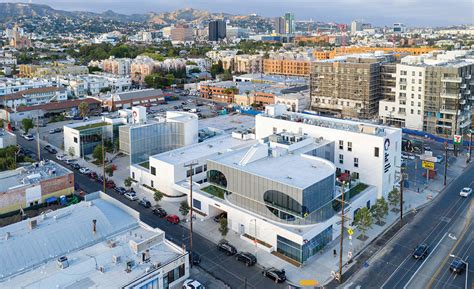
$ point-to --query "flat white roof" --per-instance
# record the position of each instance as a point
(294, 169)
(228, 122)
(214, 145)
(28, 258)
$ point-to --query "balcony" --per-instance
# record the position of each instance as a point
(468, 76)
(449, 111)
(463, 86)
(451, 79)
(450, 95)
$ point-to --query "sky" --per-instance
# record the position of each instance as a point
(378, 12)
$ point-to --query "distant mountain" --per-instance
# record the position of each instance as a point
(13, 11)
(187, 15)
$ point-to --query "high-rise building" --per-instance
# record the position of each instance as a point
(289, 23)
(279, 25)
(399, 28)
(182, 33)
(217, 30)
(356, 25)
(348, 87)
(432, 94)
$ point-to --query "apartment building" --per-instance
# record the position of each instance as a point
(348, 86)
(141, 67)
(290, 67)
(117, 66)
(30, 70)
(12, 85)
(243, 63)
(397, 51)
(182, 33)
(432, 94)
(34, 96)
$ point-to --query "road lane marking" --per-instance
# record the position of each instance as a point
(426, 259)
(466, 225)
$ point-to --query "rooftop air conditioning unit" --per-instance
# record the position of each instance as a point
(101, 269)
(116, 259)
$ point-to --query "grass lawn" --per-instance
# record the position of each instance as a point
(213, 190)
(146, 164)
(94, 125)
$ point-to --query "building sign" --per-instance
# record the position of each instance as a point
(387, 164)
(427, 165)
(457, 139)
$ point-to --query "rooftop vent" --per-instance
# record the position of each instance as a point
(32, 224)
(62, 262)
(116, 259)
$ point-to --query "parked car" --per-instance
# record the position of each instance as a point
(28, 137)
(75, 166)
(427, 148)
(110, 184)
(277, 275)
(439, 158)
(172, 219)
(457, 266)
(60, 157)
(226, 247)
(85, 171)
(131, 196)
(193, 284)
(69, 161)
(50, 149)
(421, 251)
(93, 175)
(145, 203)
(465, 192)
(195, 258)
(159, 212)
(55, 130)
(219, 217)
(246, 257)
(120, 190)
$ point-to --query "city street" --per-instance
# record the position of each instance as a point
(393, 266)
(216, 263)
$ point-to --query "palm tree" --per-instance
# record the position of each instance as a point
(83, 109)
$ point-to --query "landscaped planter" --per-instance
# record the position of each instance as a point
(266, 248)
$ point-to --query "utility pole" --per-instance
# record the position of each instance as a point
(190, 166)
(401, 195)
(445, 161)
(103, 163)
(37, 138)
(341, 245)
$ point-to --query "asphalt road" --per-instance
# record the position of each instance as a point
(465, 250)
(393, 265)
(216, 263)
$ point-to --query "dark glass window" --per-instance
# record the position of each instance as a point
(218, 178)
(153, 171)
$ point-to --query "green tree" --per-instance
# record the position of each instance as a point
(83, 109)
(128, 182)
(93, 69)
(184, 208)
(394, 197)
(223, 229)
(27, 124)
(2, 123)
(363, 220)
(98, 154)
(157, 196)
(227, 75)
(380, 210)
(71, 151)
(195, 70)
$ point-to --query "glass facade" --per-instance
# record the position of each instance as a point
(301, 253)
(275, 200)
(143, 141)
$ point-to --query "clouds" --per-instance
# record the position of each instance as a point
(379, 12)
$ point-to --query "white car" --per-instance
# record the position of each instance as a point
(193, 284)
(465, 192)
(60, 157)
(131, 196)
(28, 137)
(85, 171)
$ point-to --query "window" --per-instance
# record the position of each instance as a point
(341, 158)
(205, 167)
(356, 162)
(386, 108)
(199, 170)
(349, 146)
(355, 175)
(189, 173)
(133, 175)
(412, 73)
(75, 139)
(153, 171)
(152, 184)
(341, 144)
(197, 204)
(274, 130)
(412, 111)
(376, 152)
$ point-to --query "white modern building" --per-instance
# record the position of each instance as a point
(34, 96)
(12, 85)
(7, 138)
(97, 243)
(279, 183)
(433, 93)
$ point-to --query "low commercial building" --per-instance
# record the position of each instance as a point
(99, 242)
(135, 97)
(33, 184)
(80, 139)
(34, 96)
(7, 138)
(142, 139)
(296, 102)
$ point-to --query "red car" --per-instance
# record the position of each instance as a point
(172, 219)
(110, 184)
(93, 175)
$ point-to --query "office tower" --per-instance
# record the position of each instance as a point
(279, 25)
(217, 30)
(289, 23)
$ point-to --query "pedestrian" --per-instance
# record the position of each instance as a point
(334, 252)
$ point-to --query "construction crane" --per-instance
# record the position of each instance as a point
(342, 29)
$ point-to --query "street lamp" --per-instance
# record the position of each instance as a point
(467, 267)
